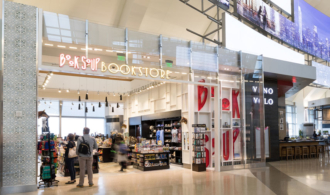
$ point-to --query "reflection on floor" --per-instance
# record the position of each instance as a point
(311, 176)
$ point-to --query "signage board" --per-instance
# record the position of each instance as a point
(78, 62)
(309, 32)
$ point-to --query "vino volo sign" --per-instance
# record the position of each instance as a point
(269, 91)
(76, 62)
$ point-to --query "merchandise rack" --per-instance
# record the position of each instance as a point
(48, 182)
(199, 154)
(140, 158)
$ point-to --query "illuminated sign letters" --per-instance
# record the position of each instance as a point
(269, 91)
(135, 70)
(74, 62)
(113, 67)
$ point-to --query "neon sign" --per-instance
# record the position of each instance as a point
(74, 62)
(113, 67)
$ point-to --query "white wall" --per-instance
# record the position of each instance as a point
(240, 37)
(283, 4)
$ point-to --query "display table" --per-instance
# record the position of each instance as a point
(150, 161)
(300, 143)
(105, 153)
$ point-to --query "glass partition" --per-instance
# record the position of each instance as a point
(253, 84)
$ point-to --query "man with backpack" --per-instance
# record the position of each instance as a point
(85, 146)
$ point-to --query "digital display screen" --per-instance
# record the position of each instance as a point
(308, 33)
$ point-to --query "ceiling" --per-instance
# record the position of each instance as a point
(166, 17)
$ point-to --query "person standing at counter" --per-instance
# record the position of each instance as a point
(85, 147)
(70, 161)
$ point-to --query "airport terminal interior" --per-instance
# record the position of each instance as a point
(165, 97)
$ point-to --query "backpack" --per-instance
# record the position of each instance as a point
(84, 148)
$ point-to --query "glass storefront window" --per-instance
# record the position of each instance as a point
(99, 111)
(96, 125)
(71, 109)
(50, 107)
(291, 120)
(72, 125)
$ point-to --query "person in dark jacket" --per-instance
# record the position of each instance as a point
(70, 161)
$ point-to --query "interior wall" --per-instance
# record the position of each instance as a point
(18, 133)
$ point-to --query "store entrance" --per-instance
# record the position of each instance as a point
(117, 110)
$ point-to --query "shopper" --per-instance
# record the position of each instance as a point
(70, 161)
(85, 146)
(122, 156)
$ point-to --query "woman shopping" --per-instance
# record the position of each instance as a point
(70, 158)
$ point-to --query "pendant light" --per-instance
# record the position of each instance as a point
(99, 104)
(79, 106)
(113, 109)
(93, 108)
(121, 97)
(106, 104)
(87, 95)
(86, 109)
(106, 99)
(117, 105)
(79, 99)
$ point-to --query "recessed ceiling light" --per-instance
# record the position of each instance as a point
(85, 48)
(48, 44)
(73, 47)
(120, 52)
(148, 57)
(62, 46)
(108, 50)
(144, 56)
(96, 49)
(183, 73)
(177, 72)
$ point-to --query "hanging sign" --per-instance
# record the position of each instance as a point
(76, 62)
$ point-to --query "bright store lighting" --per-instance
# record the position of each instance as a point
(148, 57)
(48, 44)
(120, 52)
(108, 50)
(144, 56)
(68, 90)
(85, 49)
(209, 77)
(59, 90)
(176, 72)
(73, 47)
(183, 73)
(61, 46)
(196, 76)
(96, 49)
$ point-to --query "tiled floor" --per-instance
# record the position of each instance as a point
(311, 176)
